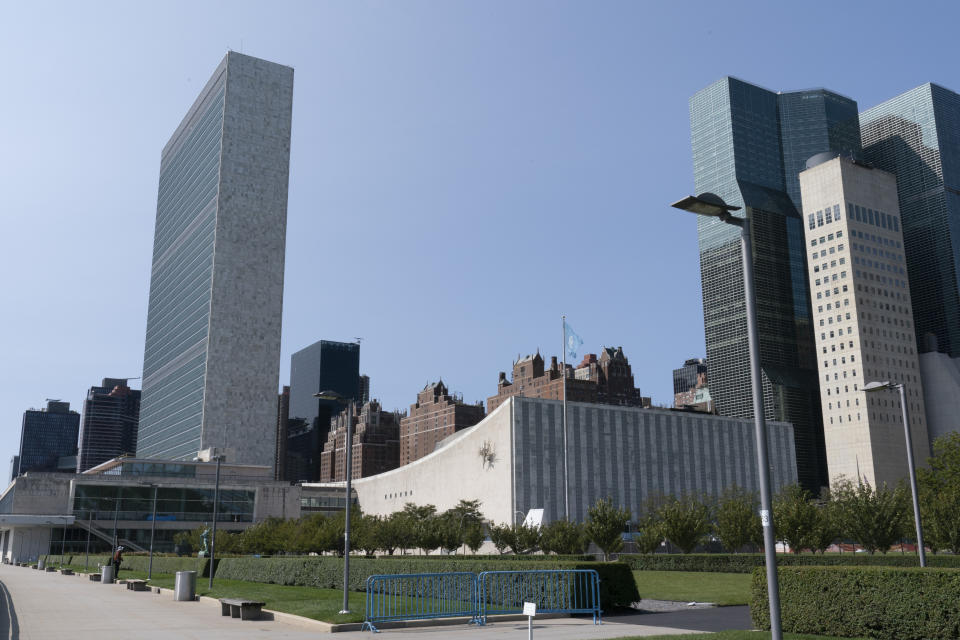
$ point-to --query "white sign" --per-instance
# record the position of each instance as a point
(765, 517)
(534, 518)
(529, 608)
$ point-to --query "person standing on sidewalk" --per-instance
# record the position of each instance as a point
(117, 559)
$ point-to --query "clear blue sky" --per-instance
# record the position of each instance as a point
(462, 173)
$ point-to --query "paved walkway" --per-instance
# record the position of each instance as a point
(36, 605)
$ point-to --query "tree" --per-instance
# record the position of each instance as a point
(473, 537)
(524, 539)
(685, 521)
(795, 517)
(563, 537)
(876, 518)
(449, 531)
(390, 533)
(501, 535)
(828, 526)
(649, 534)
(423, 525)
(939, 488)
(738, 522)
(605, 526)
(364, 534)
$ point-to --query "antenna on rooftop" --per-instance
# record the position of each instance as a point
(359, 340)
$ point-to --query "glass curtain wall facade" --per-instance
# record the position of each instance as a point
(111, 414)
(747, 142)
(323, 366)
(916, 136)
(46, 436)
(212, 351)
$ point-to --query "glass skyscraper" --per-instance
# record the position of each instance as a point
(212, 352)
(46, 436)
(749, 146)
(323, 366)
(111, 414)
(916, 136)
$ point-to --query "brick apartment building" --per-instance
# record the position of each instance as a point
(435, 416)
(376, 446)
(604, 380)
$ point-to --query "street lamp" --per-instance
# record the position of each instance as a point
(712, 205)
(883, 386)
(213, 533)
(334, 396)
(153, 527)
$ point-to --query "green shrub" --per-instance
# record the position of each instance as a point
(746, 562)
(865, 602)
(617, 587)
(131, 562)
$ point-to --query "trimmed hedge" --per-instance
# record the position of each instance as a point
(747, 562)
(161, 564)
(534, 557)
(617, 586)
(864, 602)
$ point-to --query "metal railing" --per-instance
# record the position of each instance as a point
(422, 596)
(553, 591)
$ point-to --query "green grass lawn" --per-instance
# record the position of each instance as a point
(688, 586)
(309, 602)
(732, 635)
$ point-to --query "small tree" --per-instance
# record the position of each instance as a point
(390, 533)
(606, 525)
(501, 535)
(828, 526)
(940, 495)
(649, 534)
(563, 537)
(473, 537)
(685, 521)
(524, 539)
(365, 534)
(876, 518)
(795, 517)
(738, 522)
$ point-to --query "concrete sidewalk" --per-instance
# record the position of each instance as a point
(36, 605)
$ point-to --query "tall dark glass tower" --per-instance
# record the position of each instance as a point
(111, 413)
(916, 136)
(211, 361)
(323, 366)
(47, 435)
(749, 145)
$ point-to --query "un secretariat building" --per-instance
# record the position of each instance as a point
(212, 353)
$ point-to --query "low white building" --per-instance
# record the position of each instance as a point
(513, 461)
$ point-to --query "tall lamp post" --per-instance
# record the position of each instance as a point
(213, 533)
(153, 527)
(333, 395)
(883, 386)
(712, 205)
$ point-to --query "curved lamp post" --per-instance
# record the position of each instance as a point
(883, 386)
(712, 205)
(334, 396)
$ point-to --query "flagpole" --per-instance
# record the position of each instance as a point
(566, 482)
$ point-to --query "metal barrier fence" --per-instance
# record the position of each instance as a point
(420, 596)
(560, 591)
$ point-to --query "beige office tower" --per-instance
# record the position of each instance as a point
(862, 317)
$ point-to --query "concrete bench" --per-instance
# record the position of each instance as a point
(66, 572)
(95, 577)
(137, 585)
(50, 569)
(243, 609)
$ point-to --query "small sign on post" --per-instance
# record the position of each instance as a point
(530, 610)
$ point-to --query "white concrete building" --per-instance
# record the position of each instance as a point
(512, 461)
(863, 320)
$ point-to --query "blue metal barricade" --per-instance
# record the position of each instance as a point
(419, 596)
(557, 591)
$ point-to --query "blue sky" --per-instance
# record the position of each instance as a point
(462, 173)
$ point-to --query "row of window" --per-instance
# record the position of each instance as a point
(824, 216)
(876, 218)
(827, 238)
